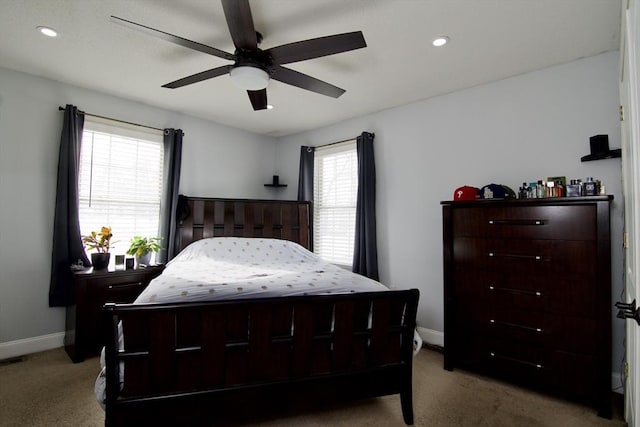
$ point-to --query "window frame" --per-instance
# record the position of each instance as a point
(326, 152)
(116, 133)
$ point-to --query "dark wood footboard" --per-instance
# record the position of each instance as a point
(184, 363)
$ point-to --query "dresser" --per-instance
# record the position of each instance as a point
(527, 293)
(84, 321)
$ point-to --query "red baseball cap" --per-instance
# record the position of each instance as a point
(466, 193)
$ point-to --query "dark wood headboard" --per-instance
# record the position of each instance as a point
(211, 217)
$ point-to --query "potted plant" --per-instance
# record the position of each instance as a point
(100, 241)
(143, 247)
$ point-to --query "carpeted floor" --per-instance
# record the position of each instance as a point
(46, 389)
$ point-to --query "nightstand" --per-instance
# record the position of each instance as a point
(84, 323)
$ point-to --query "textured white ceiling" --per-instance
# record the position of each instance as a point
(490, 40)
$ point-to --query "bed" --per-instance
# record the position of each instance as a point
(207, 339)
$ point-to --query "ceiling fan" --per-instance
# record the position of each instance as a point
(253, 67)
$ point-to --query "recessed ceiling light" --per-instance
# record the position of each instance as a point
(440, 41)
(269, 107)
(47, 31)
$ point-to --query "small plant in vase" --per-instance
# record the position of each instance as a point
(143, 247)
(100, 241)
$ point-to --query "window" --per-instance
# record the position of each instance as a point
(335, 191)
(120, 182)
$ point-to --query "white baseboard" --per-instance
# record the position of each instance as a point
(429, 336)
(31, 345)
(617, 385)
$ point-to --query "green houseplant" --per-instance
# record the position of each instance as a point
(100, 241)
(143, 247)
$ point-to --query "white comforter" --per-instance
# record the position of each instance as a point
(223, 268)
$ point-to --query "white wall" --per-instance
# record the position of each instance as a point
(520, 129)
(218, 161)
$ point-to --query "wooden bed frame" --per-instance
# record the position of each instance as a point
(191, 363)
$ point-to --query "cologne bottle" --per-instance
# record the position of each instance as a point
(590, 187)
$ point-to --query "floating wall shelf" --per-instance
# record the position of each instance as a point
(275, 182)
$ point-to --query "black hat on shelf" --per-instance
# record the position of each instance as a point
(600, 149)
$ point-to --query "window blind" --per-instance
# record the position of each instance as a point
(120, 181)
(335, 192)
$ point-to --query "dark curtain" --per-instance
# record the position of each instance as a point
(365, 254)
(67, 242)
(171, 183)
(305, 179)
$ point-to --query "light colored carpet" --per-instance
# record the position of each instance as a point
(46, 389)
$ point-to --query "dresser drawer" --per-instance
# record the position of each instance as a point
(545, 330)
(121, 290)
(560, 371)
(566, 295)
(526, 257)
(527, 222)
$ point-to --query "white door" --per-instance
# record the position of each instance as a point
(630, 131)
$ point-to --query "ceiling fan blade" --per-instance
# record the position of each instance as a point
(195, 78)
(303, 81)
(173, 39)
(240, 22)
(258, 99)
(315, 48)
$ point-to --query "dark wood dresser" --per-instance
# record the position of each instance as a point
(527, 293)
(84, 323)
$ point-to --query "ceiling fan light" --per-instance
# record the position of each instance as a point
(47, 31)
(440, 41)
(249, 78)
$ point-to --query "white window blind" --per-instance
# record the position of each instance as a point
(335, 191)
(120, 182)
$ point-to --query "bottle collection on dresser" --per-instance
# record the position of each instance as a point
(558, 187)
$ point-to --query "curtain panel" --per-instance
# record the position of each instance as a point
(171, 184)
(305, 178)
(365, 254)
(67, 242)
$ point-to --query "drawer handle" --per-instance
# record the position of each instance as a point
(519, 361)
(125, 285)
(517, 326)
(532, 257)
(518, 221)
(516, 291)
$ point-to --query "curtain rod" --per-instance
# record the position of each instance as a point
(334, 143)
(115, 120)
(337, 142)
